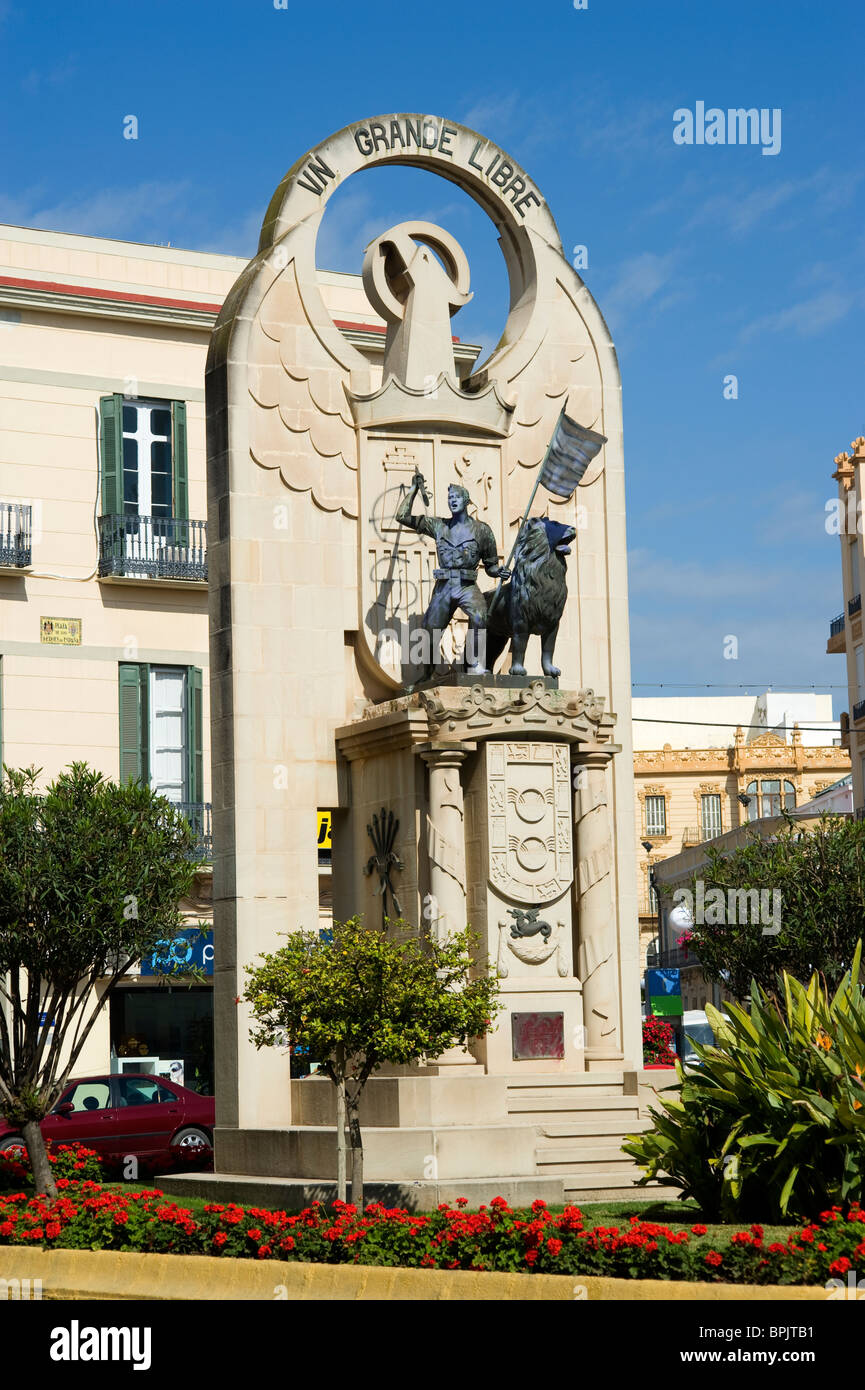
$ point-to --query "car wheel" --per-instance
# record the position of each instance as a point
(191, 1142)
(13, 1141)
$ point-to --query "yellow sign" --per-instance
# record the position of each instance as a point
(60, 632)
(324, 827)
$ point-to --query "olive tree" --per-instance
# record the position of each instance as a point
(360, 997)
(91, 875)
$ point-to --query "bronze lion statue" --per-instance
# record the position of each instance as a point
(534, 599)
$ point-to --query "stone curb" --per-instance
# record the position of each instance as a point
(125, 1275)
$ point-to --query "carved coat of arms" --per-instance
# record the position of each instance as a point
(529, 820)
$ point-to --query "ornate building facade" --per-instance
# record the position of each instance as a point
(688, 795)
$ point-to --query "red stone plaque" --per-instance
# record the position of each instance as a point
(538, 1036)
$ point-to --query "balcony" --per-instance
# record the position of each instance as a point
(152, 547)
(198, 815)
(15, 535)
(698, 834)
(837, 641)
(674, 958)
(854, 605)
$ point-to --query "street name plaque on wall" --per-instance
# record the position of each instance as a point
(60, 632)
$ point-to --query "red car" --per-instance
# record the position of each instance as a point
(135, 1115)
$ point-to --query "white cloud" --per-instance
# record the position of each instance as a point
(738, 210)
(805, 318)
(237, 238)
(639, 280)
(610, 130)
(131, 213)
(689, 581)
(494, 113)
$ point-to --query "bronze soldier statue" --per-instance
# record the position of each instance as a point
(462, 544)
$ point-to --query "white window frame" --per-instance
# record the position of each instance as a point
(144, 437)
(154, 747)
(651, 825)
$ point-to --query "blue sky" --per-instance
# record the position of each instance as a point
(706, 260)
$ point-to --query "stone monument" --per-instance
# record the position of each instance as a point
(509, 796)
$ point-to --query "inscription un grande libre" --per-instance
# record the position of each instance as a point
(428, 133)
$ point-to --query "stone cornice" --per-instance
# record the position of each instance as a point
(69, 301)
(760, 757)
(454, 714)
(492, 712)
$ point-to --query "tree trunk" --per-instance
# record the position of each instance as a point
(43, 1177)
(356, 1152)
(340, 1137)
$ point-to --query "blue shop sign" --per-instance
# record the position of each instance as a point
(660, 982)
(188, 949)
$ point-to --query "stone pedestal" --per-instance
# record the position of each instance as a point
(494, 837)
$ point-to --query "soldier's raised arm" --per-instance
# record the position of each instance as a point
(403, 512)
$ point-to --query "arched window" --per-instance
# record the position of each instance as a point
(769, 797)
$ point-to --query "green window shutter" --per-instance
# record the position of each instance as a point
(194, 752)
(111, 448)
(179, 464)
(134, 722)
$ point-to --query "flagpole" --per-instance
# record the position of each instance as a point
(495, 597)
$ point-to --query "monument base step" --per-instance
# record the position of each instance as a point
(291, 1194)
(616, 1186)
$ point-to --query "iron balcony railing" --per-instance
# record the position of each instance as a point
(157, 547)
(672, 959)
(15, 535)
(854, 605)
(837, 625)
(858, 711)
(198, 815)
(696, 834)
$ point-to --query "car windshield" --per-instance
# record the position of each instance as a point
(700, 1033)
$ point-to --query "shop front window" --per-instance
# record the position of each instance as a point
(164, 1031)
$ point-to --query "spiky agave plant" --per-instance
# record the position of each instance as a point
(770, 1126)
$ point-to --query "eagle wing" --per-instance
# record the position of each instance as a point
(303, 423)
(560, 370)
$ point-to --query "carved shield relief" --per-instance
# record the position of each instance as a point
(529, 820)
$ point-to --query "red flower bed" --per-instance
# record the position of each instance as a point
(66, 1160)
(657, 1040)
(86, 1215)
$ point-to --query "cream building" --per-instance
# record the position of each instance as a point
(704, 765)
(103, 544)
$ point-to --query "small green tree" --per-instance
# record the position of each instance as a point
(91, 875)
(794, 903)
(363, 998)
